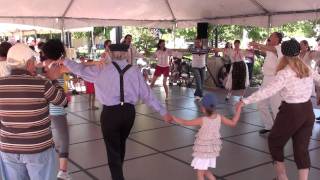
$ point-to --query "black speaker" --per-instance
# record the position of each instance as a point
(202, 30)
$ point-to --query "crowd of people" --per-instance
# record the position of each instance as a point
(34, 96)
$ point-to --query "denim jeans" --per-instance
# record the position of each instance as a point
(38, 166)
(199, 75)
(250, 69)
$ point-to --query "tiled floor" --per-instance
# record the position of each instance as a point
(162, 151)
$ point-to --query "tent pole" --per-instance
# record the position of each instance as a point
(92, 36)
(21, 36)
(35, 35)
(174, 35)
(62, 31)
(216, 38)
(92, 42)
(118, 34)
(269, 24)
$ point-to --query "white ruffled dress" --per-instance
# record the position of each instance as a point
(207, 145)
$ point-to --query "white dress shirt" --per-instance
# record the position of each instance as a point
(271, 62)
(163, 57)
(236, 55)
(292, 88)
(133, 55)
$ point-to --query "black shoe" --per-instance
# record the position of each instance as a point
(264, 131)
(318, 119)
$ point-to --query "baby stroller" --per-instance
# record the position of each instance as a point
(222, 77)
(180, 70)
(175, 69)
(145, 69)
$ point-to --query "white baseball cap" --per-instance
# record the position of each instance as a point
(19, 54)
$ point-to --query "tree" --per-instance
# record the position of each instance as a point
(143, 38)
(302, 28)
(97, 31)
(256, 33)
(187, 33)
(230, 32)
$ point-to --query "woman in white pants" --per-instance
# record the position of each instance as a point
(273, 54)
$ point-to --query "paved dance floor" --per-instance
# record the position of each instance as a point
(161, 151)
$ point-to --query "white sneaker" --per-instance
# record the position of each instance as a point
(64, 175)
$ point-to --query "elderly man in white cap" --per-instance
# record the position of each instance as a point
(26, 145)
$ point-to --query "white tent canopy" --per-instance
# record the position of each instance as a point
(13, 29)
(155, 13)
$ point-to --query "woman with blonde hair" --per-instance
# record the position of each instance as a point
(294, 81)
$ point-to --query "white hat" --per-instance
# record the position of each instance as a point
(19, 54)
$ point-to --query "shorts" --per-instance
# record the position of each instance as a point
(89, 87)
(162, 70)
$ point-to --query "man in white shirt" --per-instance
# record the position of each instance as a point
(133, 54)
(273, 55)
(198, 65)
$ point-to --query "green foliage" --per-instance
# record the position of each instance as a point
(143, 38)
(230, 32)
(302, 28)
(256, 33)
(80, 35)
(102, 31)
(258, 63)
(188, 34)
(97, 31)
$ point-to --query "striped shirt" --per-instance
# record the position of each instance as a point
(57, 110)
(24, 111)
(199, 57)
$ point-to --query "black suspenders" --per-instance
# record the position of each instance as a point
(121, 73)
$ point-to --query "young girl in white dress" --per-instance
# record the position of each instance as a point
(207, 145)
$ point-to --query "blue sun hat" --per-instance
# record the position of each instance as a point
(209, 101)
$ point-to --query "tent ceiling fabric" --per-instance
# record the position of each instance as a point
(156, 13)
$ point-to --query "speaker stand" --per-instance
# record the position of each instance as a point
(211, 76)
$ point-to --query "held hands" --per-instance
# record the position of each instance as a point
(167, 118)
(55, 69)
(176, 119)
(255, 45)
(100, 64)
(215, 50)
(239, 106)
(53, 72)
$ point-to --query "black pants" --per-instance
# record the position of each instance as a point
(293, 121)
(116, 124)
